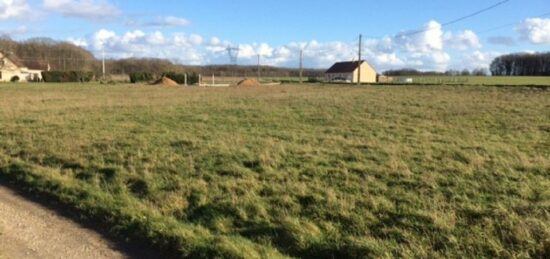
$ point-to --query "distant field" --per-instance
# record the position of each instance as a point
(234, 80)
(292, 171)
(480, 80)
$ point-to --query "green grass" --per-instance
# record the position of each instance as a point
(312, 171)
(482, 80)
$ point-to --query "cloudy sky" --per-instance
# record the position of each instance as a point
(421, 34)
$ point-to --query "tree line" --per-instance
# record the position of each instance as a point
(66, 57)
(517, 64)
(450, 72)
(522, 64)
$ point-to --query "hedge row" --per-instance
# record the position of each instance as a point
(138, 77)
(67, 76)
(179, 78)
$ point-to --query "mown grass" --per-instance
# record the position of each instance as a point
(311, 172)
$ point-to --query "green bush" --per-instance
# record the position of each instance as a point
(67, 76)
(314, 80)
(15, 79)
(179, 78)
(138, 77)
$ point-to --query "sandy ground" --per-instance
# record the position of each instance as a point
(29, 230)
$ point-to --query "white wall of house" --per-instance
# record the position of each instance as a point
(368, 74)
(339, 76)
(9, 70)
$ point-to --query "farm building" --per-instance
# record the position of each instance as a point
(13, 69)
(348, 72)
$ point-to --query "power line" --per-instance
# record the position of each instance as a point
(458, 19)
(508, 24)
(476, 13)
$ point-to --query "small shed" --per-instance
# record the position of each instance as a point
(349, 72)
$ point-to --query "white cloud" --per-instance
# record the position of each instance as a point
(104, 39)
(131, 36)
(536, 30)
(78, 42)
(428, 49)
(195, 39)
(156, 39)
(155, 44)
(427, 40)
(88, 9)
(169, 21)
(464, 40)
(215, 41)
(388, 60)
(477, 59)
(13, 9)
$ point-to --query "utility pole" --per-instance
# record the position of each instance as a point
(301, 65)
(103, 63)
(259, 72)
(359, 64)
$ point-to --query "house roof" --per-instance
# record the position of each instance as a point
(14, 59)
(32, 65)
(344, 67)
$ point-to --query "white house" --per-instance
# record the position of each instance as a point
(13, 69)
(349, 72)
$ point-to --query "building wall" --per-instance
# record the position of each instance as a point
(368, 74)
(8, 70)
(339, 76)
(34, 75)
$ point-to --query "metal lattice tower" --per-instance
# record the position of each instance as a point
(233, 53)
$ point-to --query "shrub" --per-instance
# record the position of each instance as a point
(67, 76)
(14, 79)
(313, 80)
(138, 77)
(192, 78)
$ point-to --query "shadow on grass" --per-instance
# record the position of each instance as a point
(129, 248)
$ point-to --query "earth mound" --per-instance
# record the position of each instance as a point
(248, 83)
(166, 82)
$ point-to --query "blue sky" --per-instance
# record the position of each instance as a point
(197, 32)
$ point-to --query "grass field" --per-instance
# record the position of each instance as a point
(481, 80)
(292, 171)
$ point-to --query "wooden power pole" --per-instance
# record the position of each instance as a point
(359, 64)
(259, 72)
(301, 66)
(103, 64)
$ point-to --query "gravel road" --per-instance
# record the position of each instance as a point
(30, 230)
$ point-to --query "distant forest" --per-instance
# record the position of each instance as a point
(64, 56)
(519, 64)
(522, 64)
(414, 72)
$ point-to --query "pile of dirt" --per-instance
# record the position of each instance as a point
(166, 82)
(248, 83)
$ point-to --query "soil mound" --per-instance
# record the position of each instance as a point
(248, 83)
(166, 82)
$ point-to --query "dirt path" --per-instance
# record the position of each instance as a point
(29, 230)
